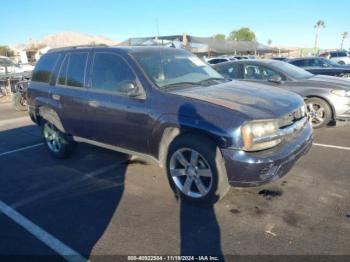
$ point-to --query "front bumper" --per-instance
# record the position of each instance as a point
(245, 169)
(341, 107)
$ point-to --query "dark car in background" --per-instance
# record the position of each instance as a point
(327, 97)
(321, 66)
(167, 105)
(280, 58)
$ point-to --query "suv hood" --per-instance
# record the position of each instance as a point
(323, 81)
(256, 101)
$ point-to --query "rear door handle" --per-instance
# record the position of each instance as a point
(56, 97)
(93, 103)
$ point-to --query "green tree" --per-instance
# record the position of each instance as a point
(220, 37)
(269, 42)
(6, 51)
(243, 34)
(319, 24)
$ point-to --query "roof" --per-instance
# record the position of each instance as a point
(306, 58)
(133, 49)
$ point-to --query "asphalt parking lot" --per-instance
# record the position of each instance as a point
(97, 203)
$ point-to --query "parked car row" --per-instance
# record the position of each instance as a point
(322, 66)
(166, 104)
(327, 98)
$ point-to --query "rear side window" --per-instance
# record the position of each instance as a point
(301, 63)
(334, 54)
(45, 66)
(72, 71)
(229, 71)
(315, 62)
(109, 72)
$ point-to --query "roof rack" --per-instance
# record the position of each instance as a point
(76, 47)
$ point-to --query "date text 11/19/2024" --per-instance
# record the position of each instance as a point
(173, 258)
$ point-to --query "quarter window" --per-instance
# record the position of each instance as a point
(109, 72)
(45, 66)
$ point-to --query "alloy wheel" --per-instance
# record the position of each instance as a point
(191, 173)
(317, 114)
(53, 137)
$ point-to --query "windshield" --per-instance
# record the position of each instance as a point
(170, 67)
(292, 70)
(329, 62)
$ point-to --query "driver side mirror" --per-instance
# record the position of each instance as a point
(275, 79)
(130, 88)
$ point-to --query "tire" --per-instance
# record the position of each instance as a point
(19, 102)
(319, 111)
(57, 143)
(202, 180)
(341, 63)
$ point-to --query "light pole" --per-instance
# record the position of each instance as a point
(344, 36)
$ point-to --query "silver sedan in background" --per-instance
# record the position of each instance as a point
(327, 97)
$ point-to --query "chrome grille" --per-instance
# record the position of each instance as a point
(290, 118)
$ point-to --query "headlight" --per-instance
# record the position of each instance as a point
(260, 135)
(342, 93)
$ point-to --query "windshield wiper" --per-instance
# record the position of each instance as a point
(180, 84)
(211, 79)
(199, 83)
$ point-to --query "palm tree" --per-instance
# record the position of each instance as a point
(344, 36)
(319, 24)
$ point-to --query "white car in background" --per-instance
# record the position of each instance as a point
(7, 66)
(341, 57)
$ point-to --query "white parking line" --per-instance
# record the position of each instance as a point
(62, 186)
(63, 250)
(331, 146)
(20, 149)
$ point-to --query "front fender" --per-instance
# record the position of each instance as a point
(168, 126)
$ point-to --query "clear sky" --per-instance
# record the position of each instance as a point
(284, 22)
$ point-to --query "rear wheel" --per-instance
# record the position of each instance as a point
(196, 170)
(319, 111)
(57, 143)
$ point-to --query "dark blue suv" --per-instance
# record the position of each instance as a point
(167, 105)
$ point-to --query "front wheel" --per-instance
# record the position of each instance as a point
(196, 170)
(19, 102)
(319, 111)
(56, 142)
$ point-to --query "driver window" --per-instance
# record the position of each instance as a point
(109, 71)
(258, 72)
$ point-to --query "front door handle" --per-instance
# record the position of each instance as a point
(56, 97)
(93, 103)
